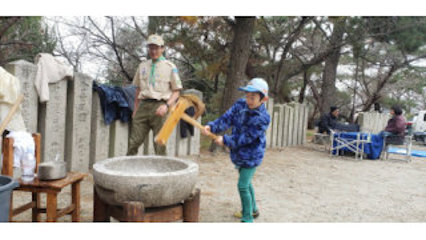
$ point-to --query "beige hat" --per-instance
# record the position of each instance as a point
(155, 39)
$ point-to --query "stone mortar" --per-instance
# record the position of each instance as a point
(154, 180)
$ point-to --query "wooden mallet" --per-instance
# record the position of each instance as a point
(177, 112)
(11, 112)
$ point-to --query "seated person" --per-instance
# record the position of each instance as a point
(396, 125)
(329, 122)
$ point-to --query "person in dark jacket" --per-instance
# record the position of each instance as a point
(396, 125)
(249, 120)
(328, 121)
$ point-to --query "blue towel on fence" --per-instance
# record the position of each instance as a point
(114, 103)
(372, 149)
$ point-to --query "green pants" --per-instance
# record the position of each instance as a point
(144, 121)
(245, 188)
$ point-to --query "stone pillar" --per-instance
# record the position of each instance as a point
(270, 109)
(274, 131)
(361, 122)
(182, 144)
(99, 133)
(301, 110)
(290, 127)
(171, 144)
(119, 138)
(77, 147)
(278, 124)
(25, 72)
(286, 125)
(295, 122)
(51, 122)
(305, 123)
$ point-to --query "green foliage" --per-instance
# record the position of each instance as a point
(409, 33)
(24, 39)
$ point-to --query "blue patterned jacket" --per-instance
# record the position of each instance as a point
(247, 141)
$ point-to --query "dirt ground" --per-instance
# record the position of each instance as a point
(300, 184)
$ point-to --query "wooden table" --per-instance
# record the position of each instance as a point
(188, 210)
(51, 188)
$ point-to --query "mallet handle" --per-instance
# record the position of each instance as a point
(11, 113)
(194, 122)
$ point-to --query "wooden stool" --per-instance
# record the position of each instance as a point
(36, 187)
(188, 211)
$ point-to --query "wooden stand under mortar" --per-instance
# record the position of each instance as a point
(188, 211)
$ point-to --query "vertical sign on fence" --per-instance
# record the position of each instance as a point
(99, 136)
(52, 122)
(77, 147)
(25, 72)
(119, 137)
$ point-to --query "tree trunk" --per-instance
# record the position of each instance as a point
(152, 25)
(240, 51)
(305, 84)
(352, 115)
(328, 88)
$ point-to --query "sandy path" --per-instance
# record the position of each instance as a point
(301, 184)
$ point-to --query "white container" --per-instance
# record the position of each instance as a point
(27, 167)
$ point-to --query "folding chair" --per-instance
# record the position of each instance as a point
(392, 141)
(354, 145)
(323, 139)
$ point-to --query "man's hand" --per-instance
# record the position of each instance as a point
(161, 110)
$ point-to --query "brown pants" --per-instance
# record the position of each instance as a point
(144, 121)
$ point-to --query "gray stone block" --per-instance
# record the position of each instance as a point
(171, 144)
(25, 72)
(119, 138)
(277, 127)
(77, 147)
(274, 131)
(295, 123)
(290, 127)
(286, 126)
(99, 136)
(51, 121)
(301, 110)
(182, 144)
(305, 123)
(270, 109)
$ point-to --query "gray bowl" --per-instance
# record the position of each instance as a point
(52, 170)
(154, 180)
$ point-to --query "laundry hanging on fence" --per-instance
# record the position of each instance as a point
(130, 93)
(49, 70)
(114, 103)
(9, 92)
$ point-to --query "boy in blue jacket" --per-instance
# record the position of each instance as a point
(247, 143)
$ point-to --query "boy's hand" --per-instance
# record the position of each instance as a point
(206, 130)
(219, 140)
